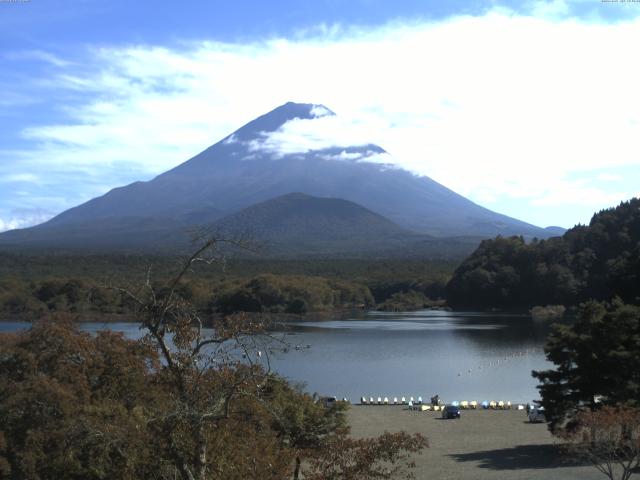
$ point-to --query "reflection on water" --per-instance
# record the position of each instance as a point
(130, 330)
(459, 355)
(395, 325)
(6, 327)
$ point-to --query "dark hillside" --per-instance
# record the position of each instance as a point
(599, 261)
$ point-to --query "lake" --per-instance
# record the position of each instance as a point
(458, 355)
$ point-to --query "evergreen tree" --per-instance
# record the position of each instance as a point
(599, 261)
(597, 363)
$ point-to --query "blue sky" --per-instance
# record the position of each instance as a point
(529, 108)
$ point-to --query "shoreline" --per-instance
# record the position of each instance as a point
(311, 316)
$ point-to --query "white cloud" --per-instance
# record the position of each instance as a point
(568, 193)
(609, 177)
(343, 155)
(549, 8)
(367, 156)
(38, 55)
(319, 111)
(495, 107)
(231, 139)
(304, 135)
(20, 177)
(24, 217)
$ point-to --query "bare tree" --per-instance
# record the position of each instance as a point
(205, 366)
(609, 438)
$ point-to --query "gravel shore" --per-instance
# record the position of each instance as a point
(484, 444)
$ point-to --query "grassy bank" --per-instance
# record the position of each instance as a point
(482, 445)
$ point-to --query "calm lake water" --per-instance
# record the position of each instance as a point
(459, 355)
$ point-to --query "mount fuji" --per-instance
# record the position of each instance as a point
(271, 157)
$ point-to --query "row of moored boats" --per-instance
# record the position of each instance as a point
(464, 404)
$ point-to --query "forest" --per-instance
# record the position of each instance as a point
(598, 261)
(36, 285)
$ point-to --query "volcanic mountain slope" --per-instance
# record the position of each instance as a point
(297, 215)
(299, 224)
(253, 165)
(292, 225)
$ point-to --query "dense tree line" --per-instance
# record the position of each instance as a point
(33, 286)
(20, 299)
(121, 268)
(291, 294)
(29, 300)
(599, 261)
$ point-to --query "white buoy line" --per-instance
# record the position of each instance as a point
(504, 360)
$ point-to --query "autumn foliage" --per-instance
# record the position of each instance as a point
(75, 406)
(387, 456)
(609, 438)
(81, 406)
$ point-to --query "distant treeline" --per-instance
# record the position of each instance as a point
(599, 261)
(32, 286)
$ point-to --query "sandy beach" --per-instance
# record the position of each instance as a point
(483, 444)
